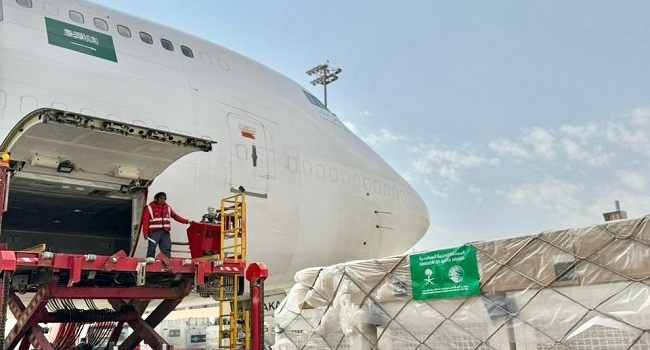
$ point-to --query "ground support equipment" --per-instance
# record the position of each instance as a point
(127, 284)
(256, 273)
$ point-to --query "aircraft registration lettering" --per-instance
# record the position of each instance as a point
(80, 39)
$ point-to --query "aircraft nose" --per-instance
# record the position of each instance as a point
(416, 220)
(423, 220)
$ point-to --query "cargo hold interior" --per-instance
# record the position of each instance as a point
(67, 218)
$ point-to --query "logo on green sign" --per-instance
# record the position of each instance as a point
(80, 39)
(445, 273)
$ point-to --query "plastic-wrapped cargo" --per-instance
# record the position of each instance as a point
(582, 288)
(188, 333)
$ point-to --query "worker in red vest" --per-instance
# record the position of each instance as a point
(156, 225)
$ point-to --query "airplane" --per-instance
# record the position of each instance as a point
(97, 104)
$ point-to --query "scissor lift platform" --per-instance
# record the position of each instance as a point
(128, 284)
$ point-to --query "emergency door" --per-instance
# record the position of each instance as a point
(249, 156)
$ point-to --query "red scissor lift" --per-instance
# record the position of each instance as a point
(128, 284)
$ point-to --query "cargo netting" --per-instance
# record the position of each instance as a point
(582, 288)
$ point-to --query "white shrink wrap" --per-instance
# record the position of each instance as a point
(580, 288)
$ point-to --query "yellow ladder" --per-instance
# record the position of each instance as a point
(233, 322)
(233, 250)
(233, 229)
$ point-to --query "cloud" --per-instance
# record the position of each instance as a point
(546, 171)
(365, 113)
(509, 148)
(449, 172)
(542, 141)
(581, 132)
(383, 138)
(637, 139)
(555, 195)
(441, 190)
(477, 193)
(632, 179)
(641, 117)
(576, 142)
(421, 166)
(351, 127)
(447, 162)
(574, 151)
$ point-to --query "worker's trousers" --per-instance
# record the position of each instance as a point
(162, 238)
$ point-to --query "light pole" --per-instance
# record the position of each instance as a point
(326, 75)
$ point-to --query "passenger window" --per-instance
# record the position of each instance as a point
(146, 38)
(241, 152)
(100, 23)
(293, 163)
(334, 175)
(124, 31)
(320, 171)
(25, 3)
(205, 58)
(50, 9)
(167, 44)
(306, 168)
(76, 16)
(223, 64)
(187, 51)
(346, 177)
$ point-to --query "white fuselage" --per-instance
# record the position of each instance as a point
(317, 194)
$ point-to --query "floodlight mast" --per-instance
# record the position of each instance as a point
(326, 76)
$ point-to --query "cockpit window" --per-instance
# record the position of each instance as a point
(124, 31)
(146, 38)
(314, 100)
(24, 3)
(76, 16)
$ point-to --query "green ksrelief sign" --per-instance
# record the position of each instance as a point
(445, 273)
(80, 39)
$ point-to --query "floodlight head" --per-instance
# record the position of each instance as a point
(316, 69)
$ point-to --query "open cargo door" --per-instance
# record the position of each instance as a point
(78, 180)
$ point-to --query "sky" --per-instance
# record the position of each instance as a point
(508, 117)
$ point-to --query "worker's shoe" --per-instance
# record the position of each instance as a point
(150, 260)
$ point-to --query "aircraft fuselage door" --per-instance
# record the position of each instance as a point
(249, 155)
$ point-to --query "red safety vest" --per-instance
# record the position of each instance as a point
(161, 219)
(156, 217)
